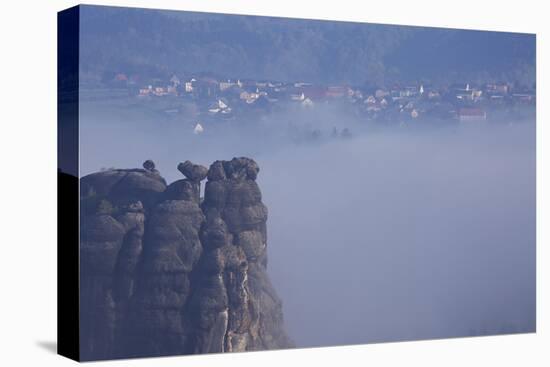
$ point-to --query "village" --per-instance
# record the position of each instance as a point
(226, 99)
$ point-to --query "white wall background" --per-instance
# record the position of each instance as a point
(28, 182)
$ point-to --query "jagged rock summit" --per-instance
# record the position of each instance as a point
(164, 272)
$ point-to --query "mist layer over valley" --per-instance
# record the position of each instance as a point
(382, 234)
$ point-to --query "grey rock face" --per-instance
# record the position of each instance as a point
(149, 165)
(163, 274)
(112, 226)
(235, 307)
(194, 172)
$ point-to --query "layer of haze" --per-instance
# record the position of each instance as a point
(393, 234)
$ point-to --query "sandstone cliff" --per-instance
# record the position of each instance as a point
(165, 273)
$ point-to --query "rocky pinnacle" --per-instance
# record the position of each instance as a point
(165, 272)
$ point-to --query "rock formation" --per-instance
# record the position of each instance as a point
(163, 273)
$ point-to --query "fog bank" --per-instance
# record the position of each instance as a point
(390, 235)
(395, 237)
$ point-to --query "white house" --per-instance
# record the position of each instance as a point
(198, 129)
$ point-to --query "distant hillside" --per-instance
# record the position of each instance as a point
(162, 42)
(459, 54)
